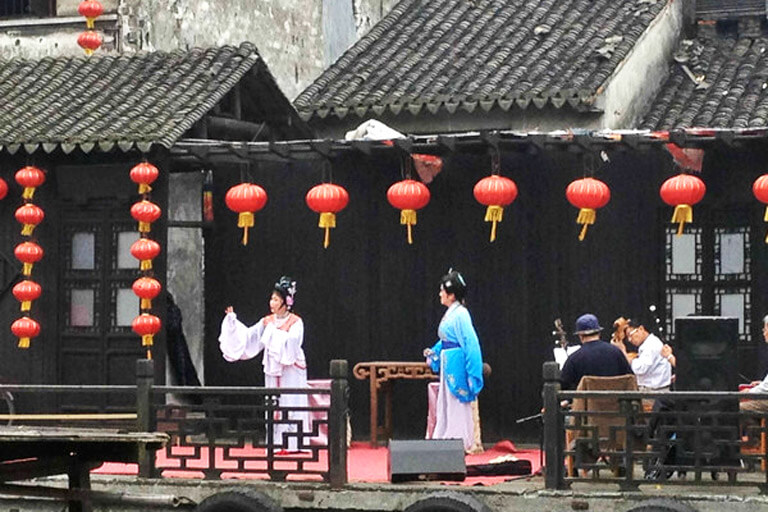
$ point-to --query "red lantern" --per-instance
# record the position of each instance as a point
(146, 326)
(25, 328)
(682, 192)
(144, 174)
(90, 9)
(30, 178)
(587, 194)
(145, 250)
(29, 216)
(28, 253)
(145, 212)
(760, 189)
(90, 41)
(327, 199)
(495, 192)
(146, 288)
(25, 292)
(408, 196)
(245, 199)
(3, 188)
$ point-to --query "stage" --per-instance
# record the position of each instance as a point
(365, 464)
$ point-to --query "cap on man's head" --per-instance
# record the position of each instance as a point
(587, 324)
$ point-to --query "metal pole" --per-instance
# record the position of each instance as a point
(145, 377)
(554, 428)
(337, 424)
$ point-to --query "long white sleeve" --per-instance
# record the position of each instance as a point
(292, 351)
(237, 341)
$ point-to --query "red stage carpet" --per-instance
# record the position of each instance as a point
(365, 464)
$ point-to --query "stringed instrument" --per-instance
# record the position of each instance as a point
(619, 335)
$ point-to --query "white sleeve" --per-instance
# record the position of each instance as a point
(760, 388)
(643, 363)
(237, 341)
(292, 351)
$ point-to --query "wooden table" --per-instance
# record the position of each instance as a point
(381, 376)
(31, 452)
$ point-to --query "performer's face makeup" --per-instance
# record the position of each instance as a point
(446, 299)
(276, 303)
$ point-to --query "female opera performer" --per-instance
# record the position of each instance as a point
(280, 335)
(458, 359)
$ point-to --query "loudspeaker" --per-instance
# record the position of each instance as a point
(706, 353)
(426, 459)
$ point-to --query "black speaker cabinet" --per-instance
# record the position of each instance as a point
(706, 351)
(426, 459)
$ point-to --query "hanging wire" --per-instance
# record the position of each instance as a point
(495, 160)
(588, 161)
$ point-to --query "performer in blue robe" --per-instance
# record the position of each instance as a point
(458, 359)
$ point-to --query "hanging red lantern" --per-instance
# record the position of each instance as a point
(29, 216)
(495, 192)
(90, 41)
(90, 9)
(146, 288)
(146, 326)
(327, 199)
(587, 194)
(145, 250)
(682, 192)
(145, 212)
(408, 196)
(28, 253)
(25, 292)
(3, 188)
(760, 189)
(245, 199)
(144, 174)
(25, 328)
(30, 178)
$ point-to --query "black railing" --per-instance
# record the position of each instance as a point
(214, 430)
(686, 438)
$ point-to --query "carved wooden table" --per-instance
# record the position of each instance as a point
(381, 376)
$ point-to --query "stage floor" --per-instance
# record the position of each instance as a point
(364, 465)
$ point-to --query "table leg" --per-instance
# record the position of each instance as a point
(80, 479)
(374, 407)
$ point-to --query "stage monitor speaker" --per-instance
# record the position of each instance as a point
(706, 353)
(426, 459)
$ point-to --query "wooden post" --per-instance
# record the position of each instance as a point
(374, 405)
(337, 424)
(554, 429)
(145, 377)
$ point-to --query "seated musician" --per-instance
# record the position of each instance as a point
(653, 370)
(758, 386)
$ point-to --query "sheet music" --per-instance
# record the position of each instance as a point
(562, 354)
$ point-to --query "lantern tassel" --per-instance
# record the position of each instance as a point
(146, 265)
(89, 22)
(27, 269)
(765, 217)
(683, 213)
(144, 227)
(26, 305)
(146, 340)
(149, 354)
(586, 217)
(144, 188)
(28, 193)
(23, 342)
(494, 214)
(146, 304)
(327, 221)
(27, 229)
(408, 217)
(245, 221)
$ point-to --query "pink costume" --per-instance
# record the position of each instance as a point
(284, 364)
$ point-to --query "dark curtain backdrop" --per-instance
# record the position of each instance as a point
(371, 296)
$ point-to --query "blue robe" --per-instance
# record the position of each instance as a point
(464, 363)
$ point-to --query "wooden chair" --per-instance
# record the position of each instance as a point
(607, 429)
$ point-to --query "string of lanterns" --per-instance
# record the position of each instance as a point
(146, 287)
(760, 190)
(28, 253)
(90, 40)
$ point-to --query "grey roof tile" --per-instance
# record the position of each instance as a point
(456, 51)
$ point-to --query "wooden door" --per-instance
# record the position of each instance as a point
(97, 304)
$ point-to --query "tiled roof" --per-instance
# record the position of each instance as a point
(433, 54)
(125, 100)
(719, 80)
